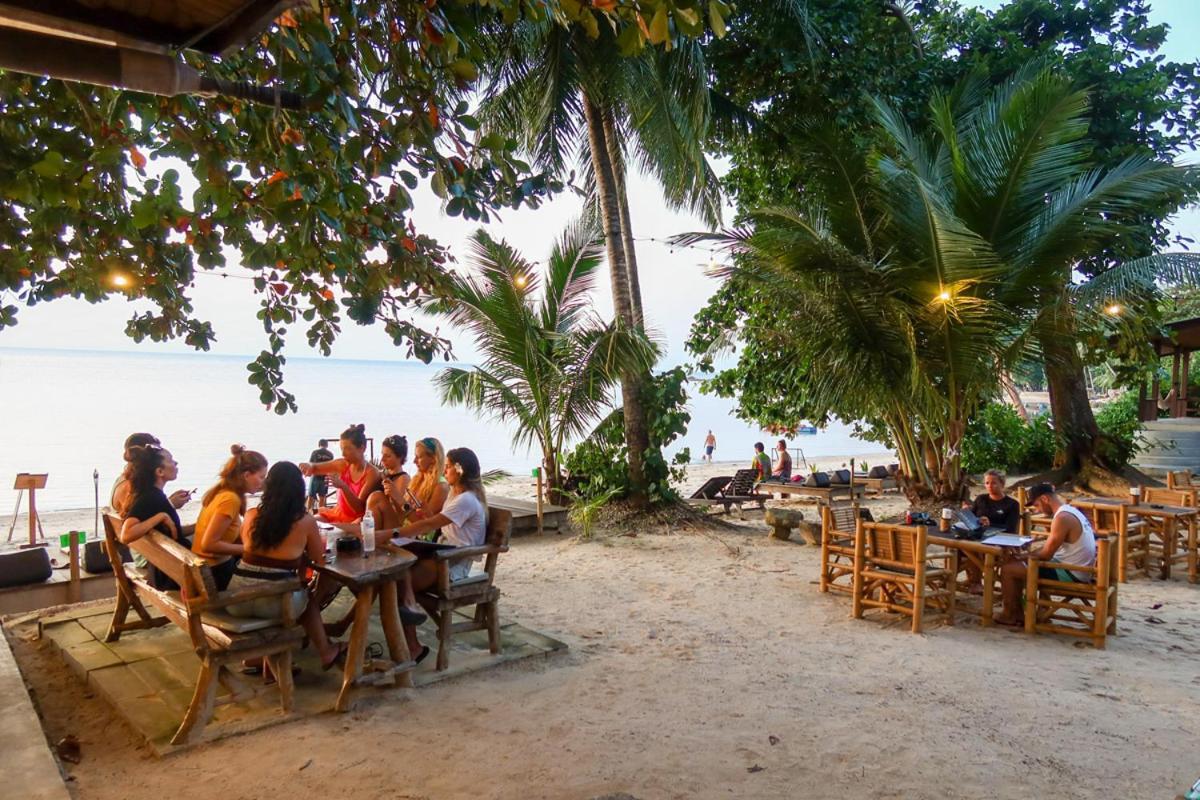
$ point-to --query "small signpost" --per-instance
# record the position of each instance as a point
(31, 481)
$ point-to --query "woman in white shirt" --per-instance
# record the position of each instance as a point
(463, 520)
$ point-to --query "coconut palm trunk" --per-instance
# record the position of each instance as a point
(1074, 421)
(631, 266)
(637, 438)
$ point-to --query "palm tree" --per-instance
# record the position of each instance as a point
(570, 99)
(549, 362)
(1019, 161)
(879, 307)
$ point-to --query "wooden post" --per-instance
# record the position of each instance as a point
(539, 500)
(75, 591)
(853, 495)
(1183, 384)
(1175, 383)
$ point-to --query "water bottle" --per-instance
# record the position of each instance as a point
(368, 533)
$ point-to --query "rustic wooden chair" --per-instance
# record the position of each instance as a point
(1084, 609)
(1160, 549)
(1181, 479)
(477, 589)
(837, 547)
(219, 638)
(893, 571)
(1132, 536)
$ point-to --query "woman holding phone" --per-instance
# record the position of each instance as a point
(218, 535)
(150, 469)
(121, 494)
(353, 477)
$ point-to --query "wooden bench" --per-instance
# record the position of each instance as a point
(477, 589)
(219, 638)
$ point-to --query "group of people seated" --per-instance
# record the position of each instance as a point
(281, 539)
(780, 469)
(1071, 540)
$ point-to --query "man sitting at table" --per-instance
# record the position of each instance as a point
(994, 508)
(1071, 541)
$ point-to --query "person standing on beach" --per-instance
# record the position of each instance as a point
(318, 485)
(710, 444)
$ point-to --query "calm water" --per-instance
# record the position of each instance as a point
(67, 412)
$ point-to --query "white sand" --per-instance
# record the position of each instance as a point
(705, 664)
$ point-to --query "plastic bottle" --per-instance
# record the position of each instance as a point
(368, 533)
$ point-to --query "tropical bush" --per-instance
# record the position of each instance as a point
(1118, 421)
(997, 438)
(598, 466)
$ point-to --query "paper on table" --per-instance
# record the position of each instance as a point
(1007, 540)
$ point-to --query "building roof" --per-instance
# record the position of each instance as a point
(1182, 336)
(209, 26)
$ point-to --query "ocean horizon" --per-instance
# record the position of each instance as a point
(67, 412)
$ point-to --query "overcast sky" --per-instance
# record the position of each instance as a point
(674, 285)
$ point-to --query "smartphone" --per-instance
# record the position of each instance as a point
(412, 498)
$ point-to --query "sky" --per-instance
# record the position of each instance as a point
(674, 283)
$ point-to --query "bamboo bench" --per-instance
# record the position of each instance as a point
(219, 638)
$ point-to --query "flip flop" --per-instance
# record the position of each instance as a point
(342, 649)
(421, 655)
(411, 616)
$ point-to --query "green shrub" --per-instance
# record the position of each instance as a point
(598, 465)
(1118, 421)
(996, 437)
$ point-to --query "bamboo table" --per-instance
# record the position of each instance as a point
(1166, 528)
(988, 558)
(369, 576)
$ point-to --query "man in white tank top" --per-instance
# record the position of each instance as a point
(1071, 541)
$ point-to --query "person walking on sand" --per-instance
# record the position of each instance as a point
(318, 485)
(710, 444)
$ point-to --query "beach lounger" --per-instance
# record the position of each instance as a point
(735, 491)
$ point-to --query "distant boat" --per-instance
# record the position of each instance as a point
(806, 430)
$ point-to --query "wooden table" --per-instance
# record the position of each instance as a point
(988, 558)
(1166, 529)
(826, 493)
(367, 577)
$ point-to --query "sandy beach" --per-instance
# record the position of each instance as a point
(705, 663)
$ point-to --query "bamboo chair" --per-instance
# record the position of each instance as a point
(837, 546)
(1132, 536)
(893, 571)
(1181, 479)
(479, 589)
(1086, 610)
(1161, 549)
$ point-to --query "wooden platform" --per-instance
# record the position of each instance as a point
(816, 493)
(524, 513)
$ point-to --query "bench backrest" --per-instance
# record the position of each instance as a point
(168, 557)
(499, 532)
(1181, 479)
(1169, 497)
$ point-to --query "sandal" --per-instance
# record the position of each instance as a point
(342, 649)
(412, 616)
(421, 655)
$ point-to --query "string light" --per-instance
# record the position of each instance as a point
(944, 296)
(119, 280)
(520, 280)
(1113, 310)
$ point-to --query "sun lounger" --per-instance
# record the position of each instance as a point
(735, 491)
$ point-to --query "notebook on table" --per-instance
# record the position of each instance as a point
(1007, 540)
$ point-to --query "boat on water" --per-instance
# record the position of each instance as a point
(806, 430)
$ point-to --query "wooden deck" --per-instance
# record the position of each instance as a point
(524, 513)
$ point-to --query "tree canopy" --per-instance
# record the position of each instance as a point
(315, 203)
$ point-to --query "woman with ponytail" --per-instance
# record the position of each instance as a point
(150, 469)
(219, 526)
(353, 477)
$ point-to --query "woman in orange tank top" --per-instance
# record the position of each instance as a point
(351, 475)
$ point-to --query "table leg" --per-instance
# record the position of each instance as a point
(389, 615)
(1192, 555)
(989, 589)
(358, 647)
(1169, 533)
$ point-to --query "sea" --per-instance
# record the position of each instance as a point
(67, 413)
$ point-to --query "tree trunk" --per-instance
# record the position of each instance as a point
(1014, 396)
(637, 439)
(631, 265)
(1074, 422)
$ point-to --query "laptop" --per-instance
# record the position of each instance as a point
(967, 526)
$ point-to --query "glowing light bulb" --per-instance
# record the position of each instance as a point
(120, 280)
(520, 280)
(944, 296)
(1113, 310)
